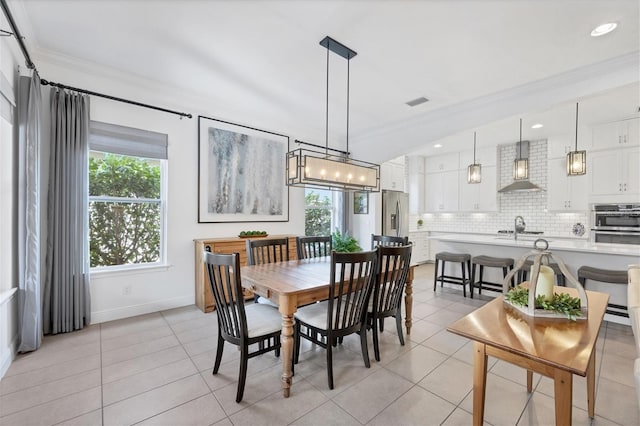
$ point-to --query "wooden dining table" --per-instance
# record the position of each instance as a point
(554, 347)
(296, 283)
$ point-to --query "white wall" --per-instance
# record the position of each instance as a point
(173, 286)
(8, 218)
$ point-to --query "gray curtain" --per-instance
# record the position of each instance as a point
(66, 301)
(29, 296)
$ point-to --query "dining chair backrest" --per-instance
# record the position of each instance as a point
(388, 240)
(393, 270)
(353, 276)
(226, 286)
(269, 250)
(318, 246)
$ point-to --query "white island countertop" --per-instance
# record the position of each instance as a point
(557, 244)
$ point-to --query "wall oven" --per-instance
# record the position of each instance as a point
(615, 223)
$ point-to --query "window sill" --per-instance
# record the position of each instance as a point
(128, 270)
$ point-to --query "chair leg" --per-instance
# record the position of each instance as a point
(435, 275)
(381, 324)
(376, 347)
(242, 378)
(399, 325)
(480, 280)
(296, 343)
(442, 273)
(464, 279)
(216, 365)
(277, 341)
(473, 279)
(329, 364)
(363, 344)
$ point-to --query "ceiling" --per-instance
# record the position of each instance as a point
(482, 64)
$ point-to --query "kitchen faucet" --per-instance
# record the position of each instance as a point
(518, 227)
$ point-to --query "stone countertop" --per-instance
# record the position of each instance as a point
(526, 241)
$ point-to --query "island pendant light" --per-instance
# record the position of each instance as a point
(474, 171)
(520, 165)
(333, 168)
(576, 160)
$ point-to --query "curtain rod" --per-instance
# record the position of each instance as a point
(16, 32)
(113, 98)
(31, 65)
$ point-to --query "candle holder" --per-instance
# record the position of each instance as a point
(542, 257)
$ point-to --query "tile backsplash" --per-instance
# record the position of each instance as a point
(532, 206)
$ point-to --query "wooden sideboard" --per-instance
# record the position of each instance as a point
(204, 298)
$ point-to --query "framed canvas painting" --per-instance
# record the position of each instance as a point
(360, 203)
(241, 173)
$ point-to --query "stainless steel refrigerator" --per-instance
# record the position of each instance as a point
(395, 213)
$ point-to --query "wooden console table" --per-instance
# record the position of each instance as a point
(204, 298)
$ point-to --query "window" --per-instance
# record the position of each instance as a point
(127, 169)
(322, 211)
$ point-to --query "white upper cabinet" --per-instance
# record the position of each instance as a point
(442, 163)
(478, 197)
(565, 193)
(560, 145)
(392, 176)
(441, 191)
(614, 175)
(618, 134)
(415, 183)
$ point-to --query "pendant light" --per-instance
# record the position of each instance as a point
(576, 160)
(474, 171)
(331, 168)
(520, 165)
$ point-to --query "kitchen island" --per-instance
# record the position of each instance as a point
(573, 252)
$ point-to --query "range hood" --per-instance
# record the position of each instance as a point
(522, 148)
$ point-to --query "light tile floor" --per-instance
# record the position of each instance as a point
(156, 370)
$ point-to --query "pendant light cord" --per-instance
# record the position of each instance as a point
(348, 62)
(576, 126)
(520, 145)
(326, 129)
(474, 147)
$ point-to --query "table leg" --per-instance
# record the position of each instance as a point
(591, 384)
(563, 393)
(529, 381)
(408, 300)
(286, 307)
(479, 381)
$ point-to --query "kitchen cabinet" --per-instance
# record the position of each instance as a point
(559, 146)
(442, 163)
(392, 176)
(617, 134)
(565, 193)
(204, 297)
(441, 191)
(415, 183)
(420, 250)
(614, 175)
(479, 197)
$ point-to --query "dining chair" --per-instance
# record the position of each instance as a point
(269, 250)
(239, 324)
(392, 272)
(318, 246)
(352, 278)
(387, 240)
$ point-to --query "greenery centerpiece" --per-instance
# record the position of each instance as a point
(561, 302)
(344, 242)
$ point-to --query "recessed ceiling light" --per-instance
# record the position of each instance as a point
(417, 101)
(603, 29)
(537, 126)
(437, 145)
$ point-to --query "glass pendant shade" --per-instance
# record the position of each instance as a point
(576, 163)
(521, 169)
(474, 171)
(576, 160)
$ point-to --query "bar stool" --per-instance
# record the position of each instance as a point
(506, 263)
(605, 276)
(526, 268)
(464, 259)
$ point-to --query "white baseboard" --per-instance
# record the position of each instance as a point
(145, 308)
(8, 357)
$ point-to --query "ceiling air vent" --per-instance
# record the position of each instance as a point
(417, 101)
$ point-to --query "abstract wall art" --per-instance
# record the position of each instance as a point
(241, 173)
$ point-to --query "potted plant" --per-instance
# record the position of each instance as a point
(344, 242)
(420, 223)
